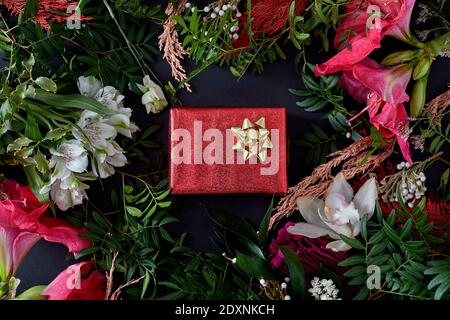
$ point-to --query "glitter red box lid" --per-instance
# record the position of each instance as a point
(203, 160)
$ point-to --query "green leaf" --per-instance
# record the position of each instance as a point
(379, 247)
(56, 134)
(441, 290)
(406, 229)
(310, 83)
(358, 280)
(42, 164)
(300, 93)
(254, 266)
(72, 101)
(319, 132)
(356, 271)
(352, 261)
(354, 243)
(364, 227)
(86, 251)
(165, 204)
(32, 127)
(335, 123)
(308, 102)
(150, 212)
(145, 283)
(332, 81)
(133, 211)
(301, 36)
(46, 84)
(296, 272)
(233, 223)
(18, 144)
(264, 226)
(362, 294)
(391, 233)
(318, 106)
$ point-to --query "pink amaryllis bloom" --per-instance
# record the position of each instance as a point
(383, 89)
(363, 27)
(77, 282)
(23, 222)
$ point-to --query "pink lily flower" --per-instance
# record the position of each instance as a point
(23, 224)
(77, 283)
(384, 91)
(368, 27)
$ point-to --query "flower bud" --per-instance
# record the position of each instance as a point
(422, 68)
(34, 293)
(418, 97)
(438, 45)
(399, 57)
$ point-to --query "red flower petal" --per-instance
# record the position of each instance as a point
(75, 283)
(57, 230)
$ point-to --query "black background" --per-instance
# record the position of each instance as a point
(218, 87)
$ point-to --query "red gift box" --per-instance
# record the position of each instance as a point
(228, 150)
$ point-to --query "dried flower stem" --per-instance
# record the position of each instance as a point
(117, 293)
(109, 283)
(316, 184)
(109, 276)
(437, 106)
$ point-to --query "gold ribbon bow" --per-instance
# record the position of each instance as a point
(253, 139)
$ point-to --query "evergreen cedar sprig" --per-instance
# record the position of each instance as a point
(170, 45)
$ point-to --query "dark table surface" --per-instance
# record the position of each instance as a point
(218, 87)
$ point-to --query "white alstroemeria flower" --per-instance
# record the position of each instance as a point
(121, 122)
(111, 98)
(341, 213)
(69, 157)
(68, 192)
(89, 86)
(153, 97)
(93, 128)
(104, 163)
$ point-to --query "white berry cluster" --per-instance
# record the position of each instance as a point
(412, 186)
(264, 283)
(323, 289)
(217, 9)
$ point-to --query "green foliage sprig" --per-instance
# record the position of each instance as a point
(210, 41)
(402, 253)
(98, 48)
(137, 231)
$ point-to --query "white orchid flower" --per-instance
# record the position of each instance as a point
(153, 97)
(339, 214)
